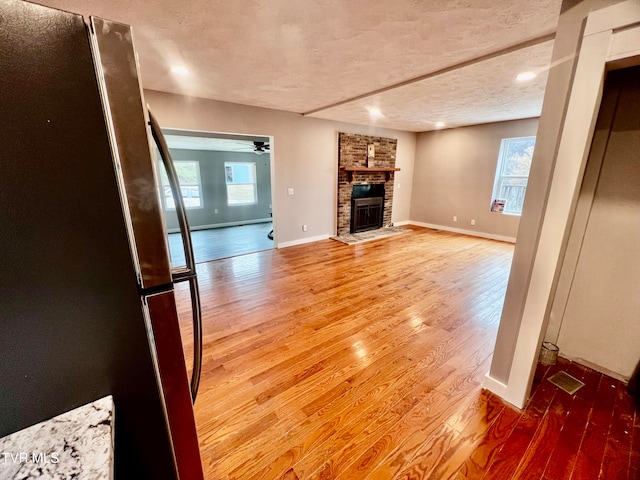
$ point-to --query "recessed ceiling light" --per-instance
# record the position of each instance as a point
(524, 76)
(180, 70)
(374, 112)
(440, 124)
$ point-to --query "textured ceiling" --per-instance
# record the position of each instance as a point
(479, 93)
(305, 56)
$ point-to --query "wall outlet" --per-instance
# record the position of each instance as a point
(473, 222)
(290, 191)
(304, 228)
(215, 210)
(455, 218)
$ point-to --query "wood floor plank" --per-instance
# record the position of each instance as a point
(376, 426)
(634, 461)
(562, 460)
(419, 429)
(337, 356)
(411, 379)
(589, 460)
(393, 372)
(380, 409)
(535, 460)
(336, 361)
(442, 456)
(482, 456)
(508, 459)
(414, 430)
(617, 451)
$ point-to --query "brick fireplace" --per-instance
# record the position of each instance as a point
(357, 167)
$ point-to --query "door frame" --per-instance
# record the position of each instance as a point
(611, 40)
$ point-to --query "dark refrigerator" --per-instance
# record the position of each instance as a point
(87, 307)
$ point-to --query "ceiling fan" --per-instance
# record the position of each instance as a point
(246, 146)
(260, 147)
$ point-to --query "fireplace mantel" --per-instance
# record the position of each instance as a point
(352, 170)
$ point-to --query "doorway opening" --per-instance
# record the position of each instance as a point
(226, 183)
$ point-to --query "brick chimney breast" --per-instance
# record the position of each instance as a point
(352, 152)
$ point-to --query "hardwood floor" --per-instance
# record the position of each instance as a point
(216, 243)
(334, 361)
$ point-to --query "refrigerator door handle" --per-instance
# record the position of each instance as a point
(187, 273)
(197, 335)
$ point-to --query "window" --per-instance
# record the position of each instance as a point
(190, 184)
(241, 183)
(512, 174)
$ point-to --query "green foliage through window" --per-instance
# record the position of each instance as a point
(190, 184)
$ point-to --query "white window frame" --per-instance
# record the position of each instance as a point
(509, 193)
(166, 185)
(254, 183)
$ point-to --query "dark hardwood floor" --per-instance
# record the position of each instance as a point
(217, 243)
(333, 361)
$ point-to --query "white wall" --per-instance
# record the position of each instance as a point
(304, 154)
(454, 174)
(601, 324)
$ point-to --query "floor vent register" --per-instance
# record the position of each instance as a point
(566, 382)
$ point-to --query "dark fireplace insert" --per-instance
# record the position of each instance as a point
(367, 207)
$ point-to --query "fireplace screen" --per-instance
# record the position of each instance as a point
(367, 207)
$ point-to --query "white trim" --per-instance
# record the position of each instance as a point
(596, 367)
(254, 174)
(625, 44)
(473, 233)
(402, 223)
(617, 16)
(222, 225)
(274, 202)
(167, 185)
(499, 176)
(573, 151)
(302, 241)
(497, 387)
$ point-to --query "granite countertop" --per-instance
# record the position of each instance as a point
(75, 445)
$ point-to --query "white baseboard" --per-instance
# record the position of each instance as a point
(302, 241)
(494, 386)
(501, 390)
(222, 225)
(402, 224)
(473, 233)
(596, 367)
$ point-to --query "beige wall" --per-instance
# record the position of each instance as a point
(304, 153)
(597, 305)
(454, 174)
(564, 58)
(601, 324)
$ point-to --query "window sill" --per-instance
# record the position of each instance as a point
(186, 208)
(509, 214)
